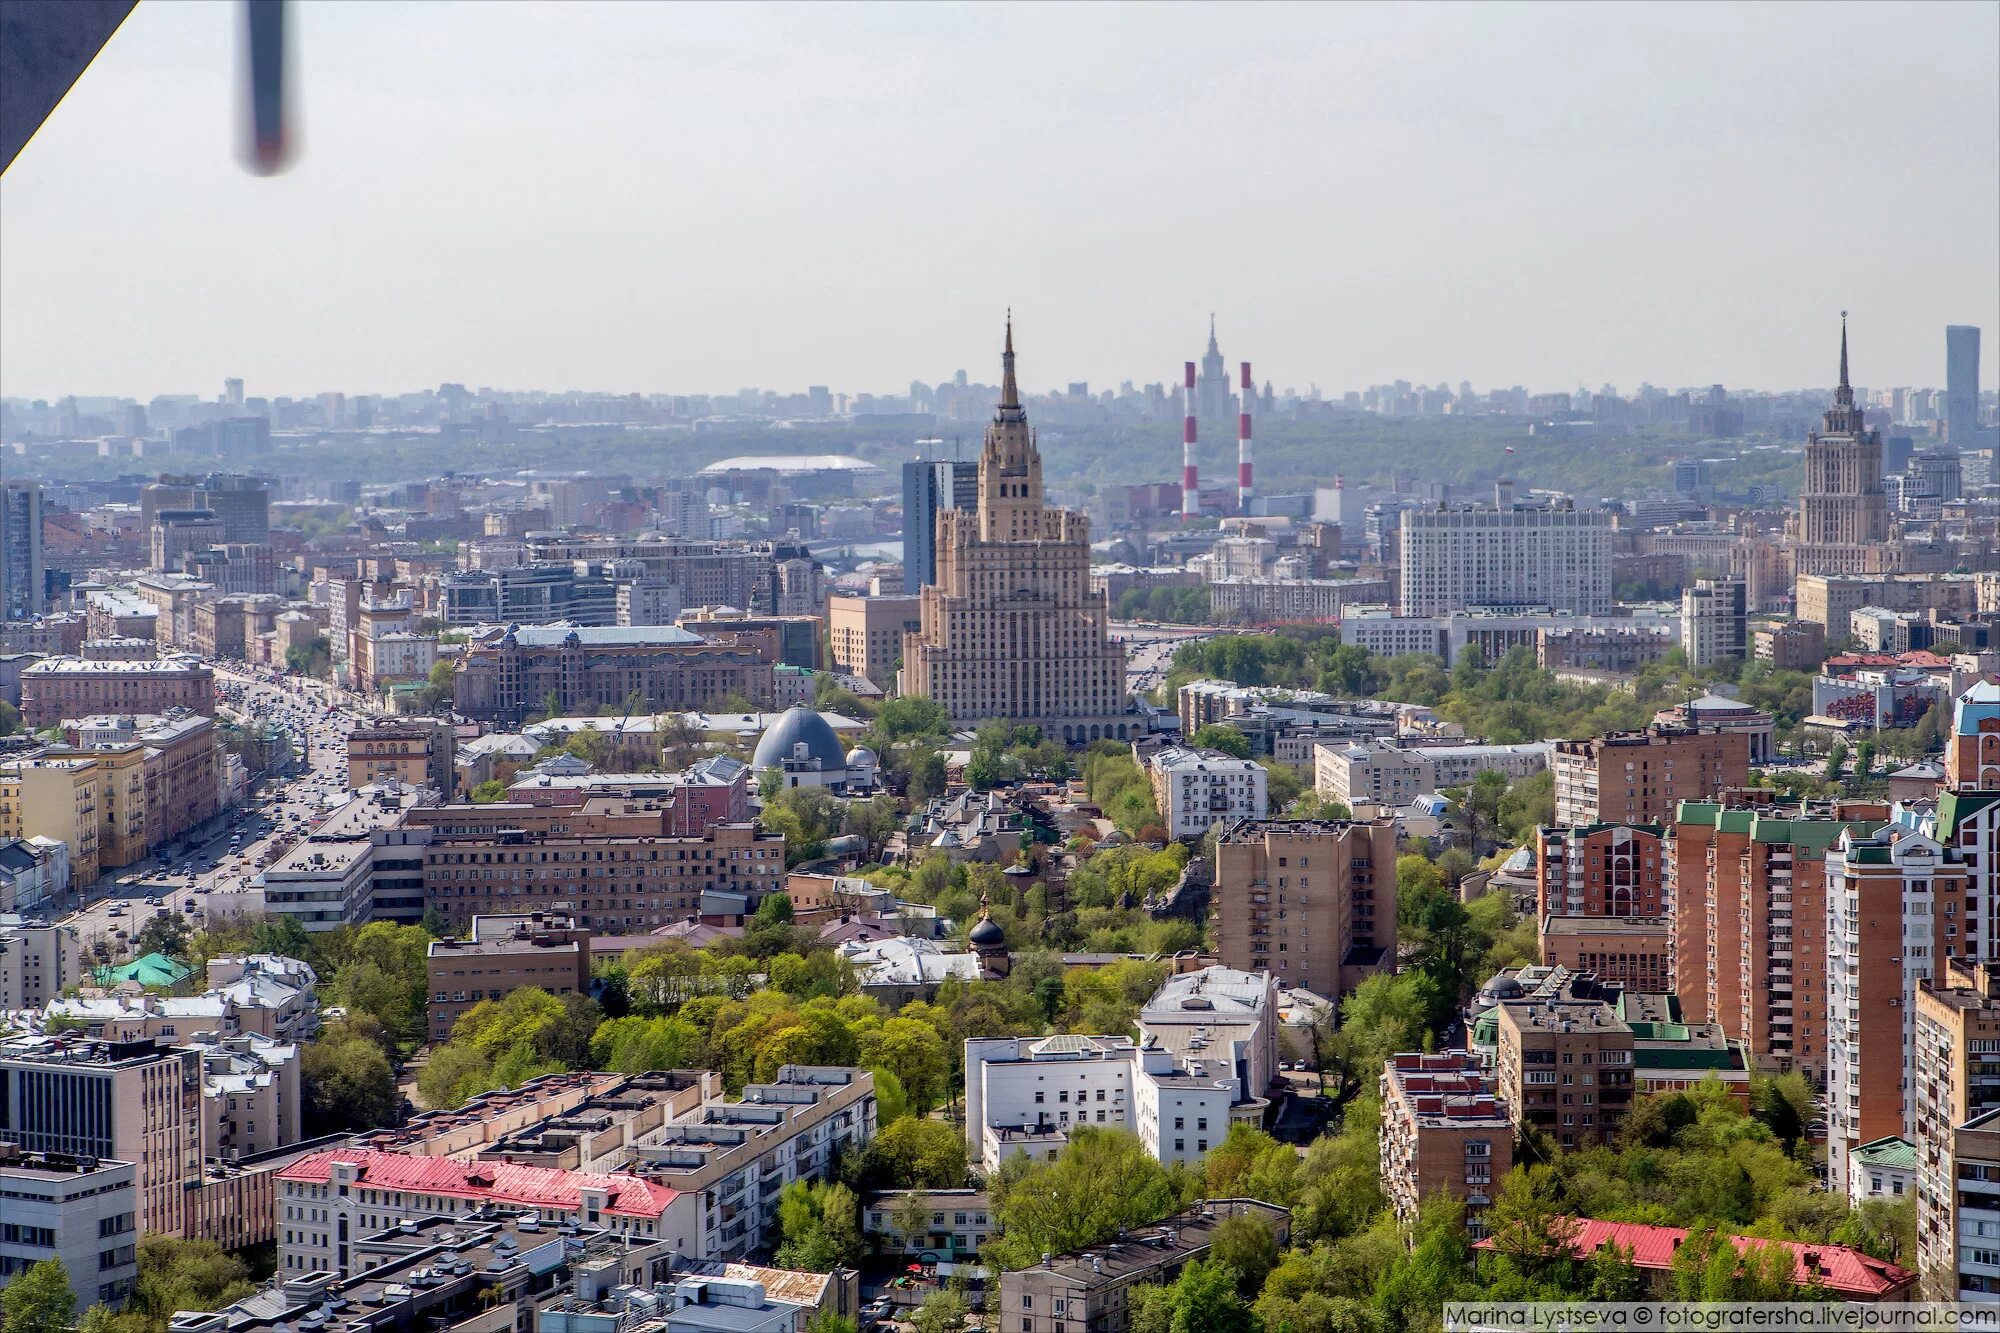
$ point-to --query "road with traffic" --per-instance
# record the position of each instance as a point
(213, 870)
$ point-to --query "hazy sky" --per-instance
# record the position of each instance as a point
(652, 198)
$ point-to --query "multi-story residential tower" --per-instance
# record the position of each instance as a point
(1011, 630)
(1843, 508)
(21, 570)
(1444, 1131)
(1506, 557)
(1614, 870)
(1639, 777)
(1957, 1070)
(1895, 901)
(1313, 901)
(1195, 789)
(1746, 898)
(1961, 383)
(1564, 1067)
(1713, 622)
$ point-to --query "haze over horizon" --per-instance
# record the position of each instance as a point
(644, 199)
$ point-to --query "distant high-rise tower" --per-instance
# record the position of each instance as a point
(930, 487)
(1211, 389)
(232, 392)
(20, 550)
(1843, 506)
(1961, 383)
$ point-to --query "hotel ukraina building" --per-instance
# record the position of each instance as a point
(1011, 631)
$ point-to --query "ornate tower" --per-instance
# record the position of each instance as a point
(1011, 630)
(1843, 508)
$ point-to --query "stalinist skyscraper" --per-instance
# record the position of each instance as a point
(1011, 631)
(1843, 508)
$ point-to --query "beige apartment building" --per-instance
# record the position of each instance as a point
(1565, 1067)
(865, 634)
(57, 798)
(503, 954)
(1312, 901)
(1011, 629)
(1444, 1131)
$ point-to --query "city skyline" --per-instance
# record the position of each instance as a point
(493, 227)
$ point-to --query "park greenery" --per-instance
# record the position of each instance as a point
(1510, 701)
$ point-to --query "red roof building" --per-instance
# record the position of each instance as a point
(1846, 1272)
(369, 1191)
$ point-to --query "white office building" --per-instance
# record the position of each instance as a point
(1506, 557)
(81, 1210)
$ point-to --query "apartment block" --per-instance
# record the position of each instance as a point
(956, 1223)
(607, 883)
(732, 1159)
(865, 634)
(33, 871)
(1747, 903)
(1614, 870)
(136, 1101)
(1195, 789)
(37, 962)
(59, 687)
(329, 1200)
(79, 1209)
(1958, 1215)
(1312, 901)
(415, 752)
(1564, 1067)
(1443, 1132)
(1638, 777)
(500, 955)
(1895, 901)
(1957, 1068)
(1383, 773)
(1796, 645)
(59, 798)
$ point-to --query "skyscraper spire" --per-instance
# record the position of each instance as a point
(1010, 393)
(1844, 395)
(1213, 349)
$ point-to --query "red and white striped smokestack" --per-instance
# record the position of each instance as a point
(1243, 487)
(1190, 486)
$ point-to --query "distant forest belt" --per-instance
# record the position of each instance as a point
(1291, 455)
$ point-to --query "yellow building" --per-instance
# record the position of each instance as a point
(59, 798)
(1011, 630)
(865, 634)
(121, 806)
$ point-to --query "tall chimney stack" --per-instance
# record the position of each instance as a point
(1243, 487)
(1190, 485)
